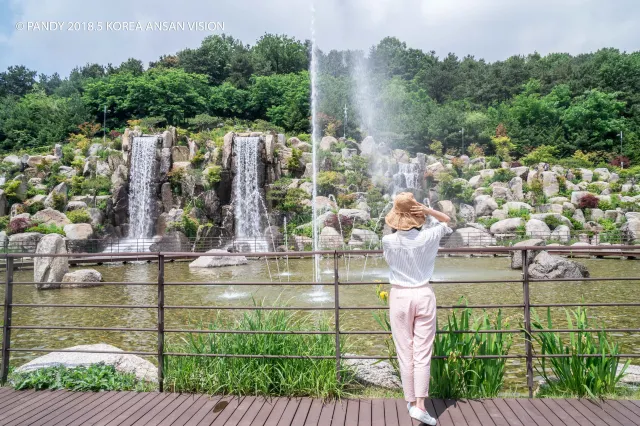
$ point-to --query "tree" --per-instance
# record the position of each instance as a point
(218, 57)
(17, 81)
(279, 54)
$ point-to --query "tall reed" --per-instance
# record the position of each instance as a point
(255, 376)
(576, 375)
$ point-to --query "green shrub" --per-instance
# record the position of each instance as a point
(494, 162)
(94, 378)
(615, 186)
(552, 222)
(79, 216)
(293, 163)
(4, 221)
(503, 175)
(197, 159)
(328, 181)
(594, 188)
(46, 229)
(521, 213)
(213, 176)
(187, 226)
(487, 222)
(255, 376)
(542, 154)
(35, 207)
(576, 375)
(456, 190)
(99, 185)
(11, 191)
(304, 137)
(59, 201)
(604, 205)
(175, 180)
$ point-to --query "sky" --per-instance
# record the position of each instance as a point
(490, 29)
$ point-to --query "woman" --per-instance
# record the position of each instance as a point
(411, 254)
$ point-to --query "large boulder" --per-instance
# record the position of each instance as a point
(224, 259)
(467, 213)
(546, 266)
(630, 230)
(538, 229)
(131, 364)
(368, 147)
(78, 231)
(603, 174)
(59, 190)
(506, 226)
(49, 271)
(515, 185)
(330, 239)
(211, 204)
(550, 185)
(485, 205)
(81, 278)
(562, 233)
(469, 237)
(227, 149)
(167, 139)
(174, 241)
(180, 154)
(363, 238)
(25, 242)
(327, 143)
(448, 208)
(323, 204)
(361, 216)
(50, 216)
(516, 256)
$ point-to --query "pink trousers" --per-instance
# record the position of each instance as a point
(413, 325)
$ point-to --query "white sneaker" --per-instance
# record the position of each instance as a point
(421, 416)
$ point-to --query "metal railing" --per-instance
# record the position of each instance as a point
(161, 306)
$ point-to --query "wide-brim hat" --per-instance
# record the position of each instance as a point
(400, 216)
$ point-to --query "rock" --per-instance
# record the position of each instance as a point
(631, 375)
(301, 243)
(167, 139)
(94, 149)
(82, 278)
(587, 175)
(485, 205)
(166, 196)
(217, 261)
(21, 191)
(521, 172)
(173, 241)
(550, 185)
(348, 153)
(330, 239)
(517, 206)
(120, 205)
(25, 242)
(50, 216)
(467, 213)
(506, 226)
(631, 230)
(500, 214)
(227, 149)
(515, 186)
(3, 203)
(180, 154)
(356, 215)
(14, 160)
(370, 372)
(181, 165)
(143, 369)
(60, 189)
(516, 256)
(500, 192)
(543, 216)
(97, 217)
(363, 238)
(78, 231)
(327, 143)
(323, 204)
(596, 215)
(475, 181)
(537, 228)
(76, 205)
(469, 237)
(448, 208)
(368, 147)
(562, 233)
(435, 169)
(165, 163)
(49, 271)
(102, 168)
(546, 266)
(579, 216)
(603, 174)
(120, 176)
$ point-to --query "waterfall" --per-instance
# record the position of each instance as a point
(247, 199)
(143, 159)
(409, 176)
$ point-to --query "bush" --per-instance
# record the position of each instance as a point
(552, 222)
(46, 229)
(187, 226)
(175, 180)
(213, 176)
(59, 201)
(328, 181)
(197, 159)
(487, 222)
(304, 137)
(4, 221)
(588, 201)
(79, 216)
(542, 154)
(99, 185)
(11, 191)
(18, 225)
(493, 162)
(436, 147)
(35, 207)
(503, 175)
(521, 213)
(94, 378)
(576, 375)
(293, 163)
(255, 376)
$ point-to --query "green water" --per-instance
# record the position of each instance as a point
(450, 268)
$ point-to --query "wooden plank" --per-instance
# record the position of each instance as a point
(364, 413)
(252, 412)
(496, 416)
(339, 414)
(535, 414)
(468, 413)
(313, 417)
(290, 411)
(188, 403)
(598, 411)
(455, 412)
(276, 412)
(12, 397)
(115, 417)
(629, 406)
(197, 412)
(24, 401)
(105, 398)
(154, 420)
(520, 412)
(220, 417)
(239, 412)
(481, 413)
(561, 404)
(404, 419)
(264, 412)
(511, 417)
(149, 410)
(303, 410)
(586, 412)
(377, 412)
(442, 415)
(35, 412)
(70, 406)
(612, 412)
(563, 418)
(390, 413)
(326, 415)
(629, 414)
(105, 409)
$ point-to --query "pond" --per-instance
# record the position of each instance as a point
(300, 270)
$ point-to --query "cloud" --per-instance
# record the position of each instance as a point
(492, 29)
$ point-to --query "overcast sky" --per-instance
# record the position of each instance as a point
(490, 29)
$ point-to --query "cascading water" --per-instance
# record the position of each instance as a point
(315, 136)
(247, 198)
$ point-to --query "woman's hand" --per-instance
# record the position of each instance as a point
(420, 210)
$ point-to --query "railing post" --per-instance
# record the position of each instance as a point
(336, 305)
(161, 322)
(527, 320)
(6, 327)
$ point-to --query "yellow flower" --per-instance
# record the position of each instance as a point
(384, 296)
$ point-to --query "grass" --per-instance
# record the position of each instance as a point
(577, 376)
(94, 378)
(256, 376)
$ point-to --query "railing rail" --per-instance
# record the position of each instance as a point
(161, 306)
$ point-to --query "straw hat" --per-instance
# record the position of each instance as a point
(400, 216)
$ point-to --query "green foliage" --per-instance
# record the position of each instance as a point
(552, 222)
(493, 162)
(293, 163)
(304, 137)
(175, 180)
(454, 189)
(11, 189)
(46, 229)
(99, 185)
(522, 213)
(487, 222)
(503, 147)
(255, 376)
(542, 154)
(94, 378)
(197, 159)
(4, 221)
(503, 175)
(328, 181)
(79, 216)
(187, 225)
(577, 376)
(59, 201)
(213, 176)
(35, 207)
(436, 147)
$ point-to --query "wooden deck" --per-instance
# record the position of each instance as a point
(130, 408)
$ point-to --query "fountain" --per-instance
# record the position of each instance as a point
(315, 136)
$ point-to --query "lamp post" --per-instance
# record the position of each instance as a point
(462, 150)
(346, 115)
(621, 162)
(104, 127)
